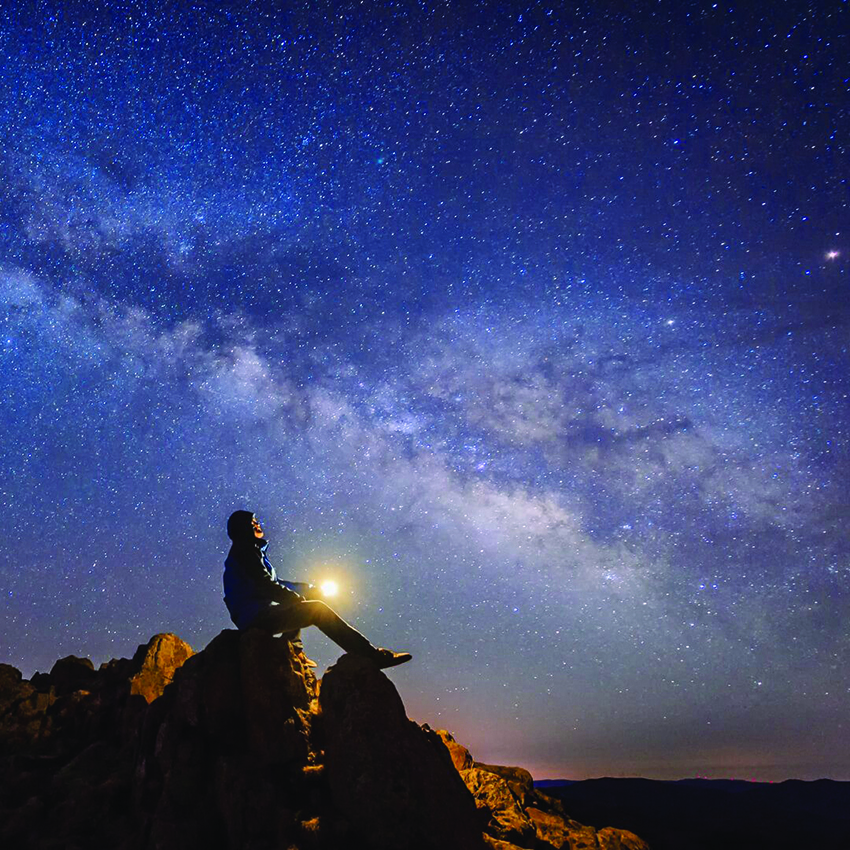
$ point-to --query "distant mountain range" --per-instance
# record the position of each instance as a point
(714, 814)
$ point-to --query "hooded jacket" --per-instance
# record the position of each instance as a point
(250, 581)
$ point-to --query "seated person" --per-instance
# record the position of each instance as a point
(257, 599)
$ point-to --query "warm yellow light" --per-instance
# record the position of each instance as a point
(329, 588)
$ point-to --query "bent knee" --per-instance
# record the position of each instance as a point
(319, 610)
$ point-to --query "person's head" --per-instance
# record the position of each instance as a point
(244, 525)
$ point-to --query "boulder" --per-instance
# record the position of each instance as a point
(71, 674)
(17, 730)
(10, 679)
(393, 780)
(461, 758)
(224, 750)
(560, 832)
(24, 721)
(501, 808)
(156, 662)
(620, 839)
(519, 779)
(70, 735)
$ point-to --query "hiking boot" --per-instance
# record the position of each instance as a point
(387, 658)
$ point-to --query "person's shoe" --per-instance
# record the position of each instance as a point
(387, 658)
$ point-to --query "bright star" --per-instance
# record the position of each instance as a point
(833, 255)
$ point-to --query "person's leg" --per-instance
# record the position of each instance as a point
(291, 618)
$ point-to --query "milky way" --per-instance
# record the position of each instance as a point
(527, 325)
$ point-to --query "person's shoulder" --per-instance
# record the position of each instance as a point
(242, 552)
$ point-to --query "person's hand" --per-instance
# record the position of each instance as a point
(312, 592)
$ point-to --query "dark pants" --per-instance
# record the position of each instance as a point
(289, 619)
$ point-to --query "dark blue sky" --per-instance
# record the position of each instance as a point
(528, 323)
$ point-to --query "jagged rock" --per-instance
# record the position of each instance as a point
(279, 690)
(519, 779)
(70, 674)
(227, 744)
(620, 839)
(157, 662)
(550, 827)
(461, 758)
(13, 688)
(65, 709)
(24, 723)
(10, 678)
(393, 780)
(562, 832)
(520, 816)
(493, 796)
(70, 735)
(16, 710)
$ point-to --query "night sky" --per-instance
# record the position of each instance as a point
(528, 323)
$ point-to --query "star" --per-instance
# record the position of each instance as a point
(492, 311)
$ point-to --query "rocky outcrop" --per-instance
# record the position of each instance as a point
(157, 662)
(392, 779)
(67, 747)
(225, 757)
(517, 815)
(239, 747)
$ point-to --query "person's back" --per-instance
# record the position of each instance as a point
(250, 581)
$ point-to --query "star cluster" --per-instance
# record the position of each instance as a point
(526, 324)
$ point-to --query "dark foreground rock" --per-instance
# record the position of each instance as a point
(390, 778)
(238, 747)
(68, 744)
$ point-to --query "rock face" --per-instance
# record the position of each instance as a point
(393, 780)
(67, 747)
(517, 815)
(238, 747)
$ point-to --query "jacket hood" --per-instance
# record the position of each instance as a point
(239, 527)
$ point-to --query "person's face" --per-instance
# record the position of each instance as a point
(258, 529)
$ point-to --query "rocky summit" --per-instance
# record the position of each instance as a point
(239, 746)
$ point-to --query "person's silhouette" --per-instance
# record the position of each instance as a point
(257, 599)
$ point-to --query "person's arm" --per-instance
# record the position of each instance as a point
(253, 571)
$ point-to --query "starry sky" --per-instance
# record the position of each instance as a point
(527, 322)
